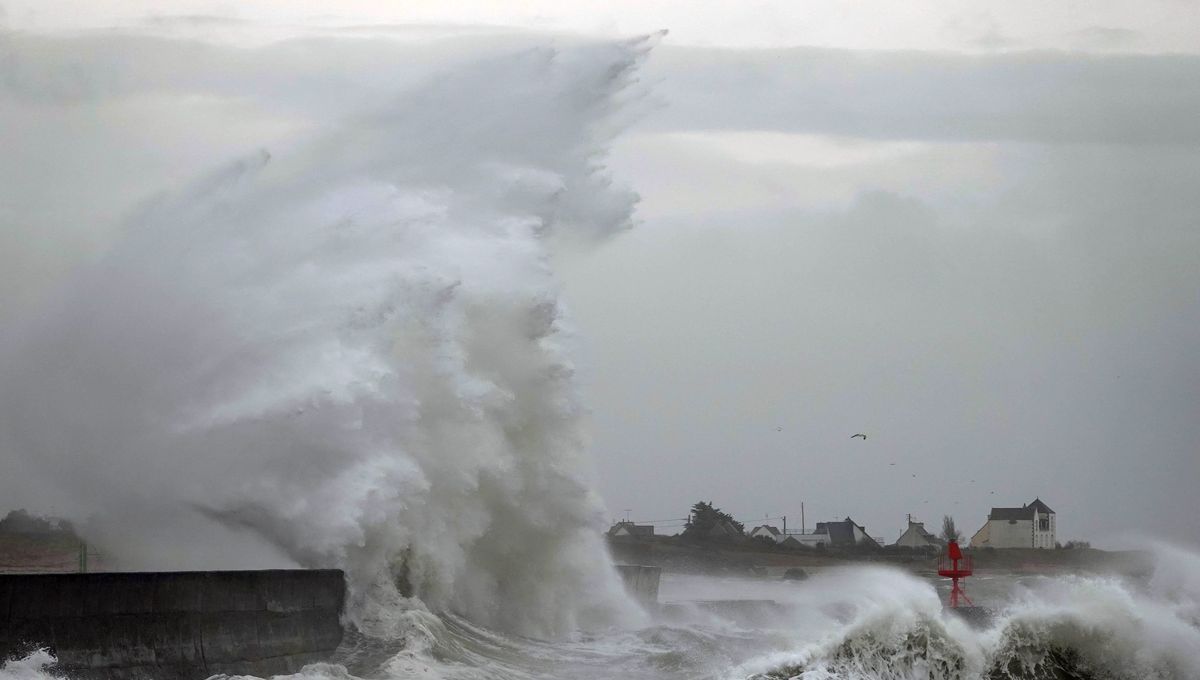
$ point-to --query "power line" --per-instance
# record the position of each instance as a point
(659, 521)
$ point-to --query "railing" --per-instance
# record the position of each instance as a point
(964, 567)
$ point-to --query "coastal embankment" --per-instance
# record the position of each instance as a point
(174, 625)
(754, 558)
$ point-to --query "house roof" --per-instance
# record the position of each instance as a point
(919, 527)
(1041, 507)
(1024, 512)
(633, 529)
(839, 532)
(1011, 513)
(770, 529)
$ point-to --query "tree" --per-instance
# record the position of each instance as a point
(22, 521)
(949, 532)
(704, 517)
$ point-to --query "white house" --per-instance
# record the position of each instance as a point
(805, 540)
(1029, 526)
(915, 536)
(767, 531)
(630, 530)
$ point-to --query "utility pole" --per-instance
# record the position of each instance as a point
(83, 555)
(785, 525)
(803, 529)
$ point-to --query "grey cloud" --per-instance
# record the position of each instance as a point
(1038, 340)
(1035, 96)
(192, 20)
(1104, 37)
(979, 29)
(334, 75)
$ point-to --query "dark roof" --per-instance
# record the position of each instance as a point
(1025, 512)
(1041, 507)
(1011, 513)
(634, 529)
(920, 527)
(840, 533)
(772, 530)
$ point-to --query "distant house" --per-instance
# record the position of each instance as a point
(845, 532)
(915, 536)
(805, 540)
(1029, 526)
(630, 530)
(767, 531)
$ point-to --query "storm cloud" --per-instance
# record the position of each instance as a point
(987, 261)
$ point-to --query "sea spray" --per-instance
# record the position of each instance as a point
(351, 352)
(887, 625)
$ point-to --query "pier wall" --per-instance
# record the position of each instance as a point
(174, 625)
(641, 581)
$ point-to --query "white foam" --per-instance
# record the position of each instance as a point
(351, 352)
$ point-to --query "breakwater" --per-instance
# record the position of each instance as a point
(174, 625)
(641, 581)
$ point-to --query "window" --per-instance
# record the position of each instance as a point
(1044, 524)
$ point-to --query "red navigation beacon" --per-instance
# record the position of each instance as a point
(954, 565)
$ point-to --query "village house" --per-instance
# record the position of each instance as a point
(915, 536)
(805, 540)
(1029, 526)
(630, 530)
(845, 532)
(767, 531)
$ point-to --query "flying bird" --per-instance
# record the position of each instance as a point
(859, 435)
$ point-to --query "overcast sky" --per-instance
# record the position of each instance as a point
(971, 234)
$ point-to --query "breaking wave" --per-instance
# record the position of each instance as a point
(1071, 627)
(847, 624)
(351, 351)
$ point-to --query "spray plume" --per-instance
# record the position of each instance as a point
(350, 352)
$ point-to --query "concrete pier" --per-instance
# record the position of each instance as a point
(641, 582)
(174, 625)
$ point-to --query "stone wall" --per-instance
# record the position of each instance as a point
(174, 625)
(641, 581)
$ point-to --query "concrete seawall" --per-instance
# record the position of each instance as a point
(174, 625)
(641, 582)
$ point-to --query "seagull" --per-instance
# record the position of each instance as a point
(859, 435)
(891, 463)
